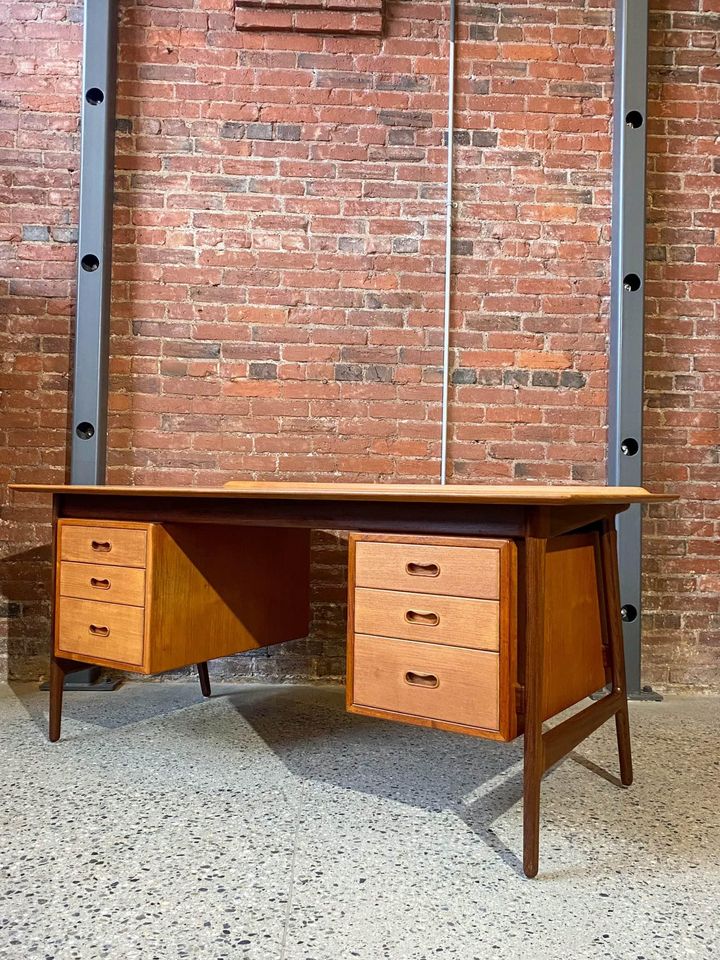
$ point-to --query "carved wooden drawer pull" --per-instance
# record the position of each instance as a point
(101, 546)
(422, 569)
(428, 680)
(425, 617)
(101, 584)
(99, 631)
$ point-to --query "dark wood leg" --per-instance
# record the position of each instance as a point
(58, 671)
(611, 582)
(534, 760)
(204, 679)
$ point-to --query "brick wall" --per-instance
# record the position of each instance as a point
(277, 299)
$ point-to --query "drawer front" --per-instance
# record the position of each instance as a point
(427, 680)
(93, 581)
(117, 546)
(456, 621)
(106, 630)
(427, 568)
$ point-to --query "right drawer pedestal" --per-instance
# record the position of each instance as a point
(431, 637)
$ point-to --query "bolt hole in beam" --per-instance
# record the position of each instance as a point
(85, 430)
(634, 119)
(628, 612)
(94, 96)
(632, 282)
(89, 263)
(629, 447)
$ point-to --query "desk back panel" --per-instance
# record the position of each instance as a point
(218, 591)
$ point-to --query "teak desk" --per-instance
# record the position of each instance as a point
(478, 609)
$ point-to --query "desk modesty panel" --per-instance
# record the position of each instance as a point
(482, 610)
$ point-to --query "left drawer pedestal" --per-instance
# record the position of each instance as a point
(149, 597)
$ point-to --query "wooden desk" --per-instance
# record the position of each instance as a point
(478, 609)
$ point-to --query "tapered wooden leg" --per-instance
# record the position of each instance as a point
(611, 582)
(204, 679)
(58, 671)
(534, 760)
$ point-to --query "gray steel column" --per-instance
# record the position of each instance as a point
(88, 452)
(92, 327)
(627, 305)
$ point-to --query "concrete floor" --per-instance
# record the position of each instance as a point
(269, 824)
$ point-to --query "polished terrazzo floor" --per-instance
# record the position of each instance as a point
(268, 824)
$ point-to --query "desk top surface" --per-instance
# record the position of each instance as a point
(517, 493)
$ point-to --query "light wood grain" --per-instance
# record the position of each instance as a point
(421, 566)
(106, 583)
(507, 726)
(103, 543)
(573, 647)
(531, 494)
(455, 621)
(109, 631)
(216, 591)
(510, 703)
(427, 680)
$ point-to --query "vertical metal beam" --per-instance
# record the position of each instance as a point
(88, 450)
(627, 314)
(92, 325)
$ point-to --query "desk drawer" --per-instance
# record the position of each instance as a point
(427, 680)
(455, 621)
(93, 581)
(117, 546)
(109, 631)
(421, 567)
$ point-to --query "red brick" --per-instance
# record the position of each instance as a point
(334, 17)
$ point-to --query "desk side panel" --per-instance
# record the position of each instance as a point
(574, 660)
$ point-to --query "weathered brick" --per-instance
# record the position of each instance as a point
(401, 138)
(312, 16)
(484, 138)
(288, 131)
(348, 371)
(36, 233)
(573, 379)
(259, 131)
(463, 375)
(544, 378)
(405, 118)
(482, 31)
(378, 373)
(233, 131)
(463, 248)
(263, 371)
(405, 245)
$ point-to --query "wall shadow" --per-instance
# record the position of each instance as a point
(25, 604)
